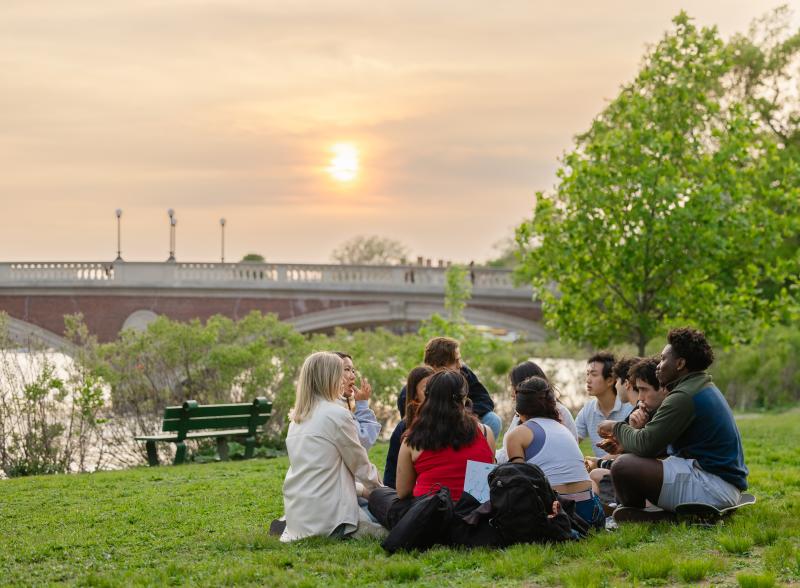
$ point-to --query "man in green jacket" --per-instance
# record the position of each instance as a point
(694, 426)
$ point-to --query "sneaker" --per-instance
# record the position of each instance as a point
(277, 527)
(651, 514)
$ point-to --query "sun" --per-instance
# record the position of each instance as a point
(343, 166)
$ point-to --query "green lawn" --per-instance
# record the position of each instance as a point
(206, 524)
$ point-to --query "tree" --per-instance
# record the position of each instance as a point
(457, 292)
(372, 250)
(666, 211)
(253, 257)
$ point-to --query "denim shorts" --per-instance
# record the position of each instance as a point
(591, 511)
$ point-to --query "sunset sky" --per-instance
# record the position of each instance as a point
(447, 116)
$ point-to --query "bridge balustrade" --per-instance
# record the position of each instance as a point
(61, 271)
(197, 274)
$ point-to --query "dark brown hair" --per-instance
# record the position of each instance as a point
(440, 352)
(622, 368)
(415, 376)
(645, 369)
(536, 398)
(443, 420)
(607, 359)
(523, 371)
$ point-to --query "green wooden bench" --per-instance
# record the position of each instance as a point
(223, 421)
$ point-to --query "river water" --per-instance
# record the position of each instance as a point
(18, 367)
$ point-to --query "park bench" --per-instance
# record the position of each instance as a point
(223, 421)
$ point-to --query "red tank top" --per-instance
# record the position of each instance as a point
(448, 466)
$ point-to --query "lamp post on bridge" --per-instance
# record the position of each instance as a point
(172, 222)
(222, 231)
(118, 212)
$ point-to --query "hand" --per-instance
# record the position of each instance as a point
(365, 392)
(606, 429)
(556, 510)
(638, 418)
(590, 463)
(610, 445)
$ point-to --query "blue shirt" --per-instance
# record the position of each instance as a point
(591, 416)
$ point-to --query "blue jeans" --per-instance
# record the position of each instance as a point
(491, 420)
(591, 511)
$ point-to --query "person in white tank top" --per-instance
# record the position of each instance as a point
(542, 440)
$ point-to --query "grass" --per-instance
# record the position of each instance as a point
(207, 524)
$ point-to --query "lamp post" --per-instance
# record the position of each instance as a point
(118, 212)
(172, 222)
(222, 232)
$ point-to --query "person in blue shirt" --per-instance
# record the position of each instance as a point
(605, 403)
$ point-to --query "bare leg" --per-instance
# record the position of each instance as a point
(637, 479)
(595, 476)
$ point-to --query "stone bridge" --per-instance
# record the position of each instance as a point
(119, 295)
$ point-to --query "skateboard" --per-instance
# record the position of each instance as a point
(709, 513)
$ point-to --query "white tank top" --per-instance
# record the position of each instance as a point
(555, 450)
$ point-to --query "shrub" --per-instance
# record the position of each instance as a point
(762, 375)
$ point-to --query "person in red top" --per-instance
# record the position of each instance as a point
(435, 451)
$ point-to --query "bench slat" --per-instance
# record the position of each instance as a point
(195, 424)
(174, 412)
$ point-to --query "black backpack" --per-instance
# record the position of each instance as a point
(522, 506)
(423, 525)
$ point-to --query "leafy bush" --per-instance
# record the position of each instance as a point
(762, 375)
(50, 414)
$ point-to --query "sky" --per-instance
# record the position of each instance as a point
(458, 111)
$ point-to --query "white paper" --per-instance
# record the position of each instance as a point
(476, 479)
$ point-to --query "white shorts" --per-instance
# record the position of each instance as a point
(685, 481)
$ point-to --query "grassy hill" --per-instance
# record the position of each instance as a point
(206, 524)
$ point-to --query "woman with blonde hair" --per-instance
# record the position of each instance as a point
(326, 459)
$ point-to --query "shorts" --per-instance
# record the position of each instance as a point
(685, 481)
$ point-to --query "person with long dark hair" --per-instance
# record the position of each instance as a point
(417, 380)
(444, 436)
(542, 440)
(520, 372)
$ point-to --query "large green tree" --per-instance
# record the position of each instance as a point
(672, 208)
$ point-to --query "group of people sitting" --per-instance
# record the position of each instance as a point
(662, 434)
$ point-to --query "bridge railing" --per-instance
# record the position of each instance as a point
(57, 271)
(248, 275)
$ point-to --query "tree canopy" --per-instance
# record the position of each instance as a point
(370, 250)
(678, 205)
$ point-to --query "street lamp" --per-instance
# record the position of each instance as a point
(172, 222)
(118, 212)
(222, 231)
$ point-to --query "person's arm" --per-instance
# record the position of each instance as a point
(368, 426)
(488, 435)
(672, 418)
(567, 420)
(580, 424)
(406, 475)
(501, 456)
(354, 456)
(390, 471)
(518, 440)
(481, 401)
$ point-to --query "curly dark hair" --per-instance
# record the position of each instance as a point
(536, 398)
(622, 368)
(607, 359)
(691, 345)
(645, 369)
(443, 420)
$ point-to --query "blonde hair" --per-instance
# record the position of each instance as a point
(320, 379)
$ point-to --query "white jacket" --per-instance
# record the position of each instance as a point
(325, 460)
